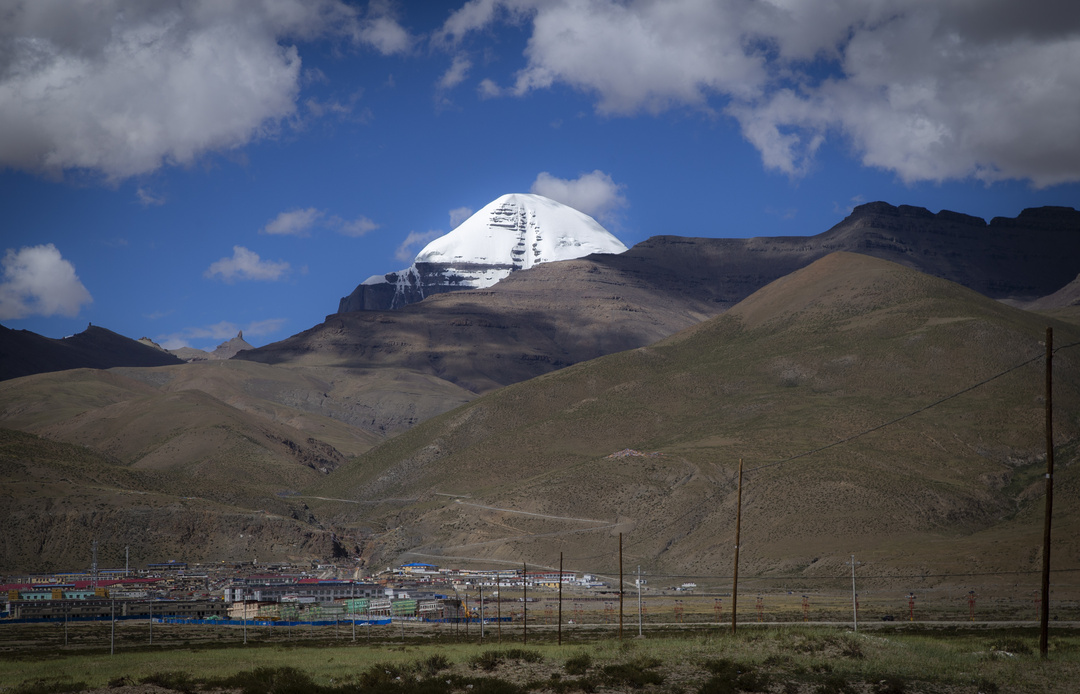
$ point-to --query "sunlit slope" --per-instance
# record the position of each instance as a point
(838, 348)
(209, 434)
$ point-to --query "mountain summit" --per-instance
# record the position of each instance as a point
(513, 232)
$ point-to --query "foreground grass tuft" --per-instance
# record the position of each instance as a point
(55, 686)
(489, 660)
(578, 664)
(806, 661)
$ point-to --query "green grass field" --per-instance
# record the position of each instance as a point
(789, 659)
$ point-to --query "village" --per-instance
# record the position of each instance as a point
(282, 593)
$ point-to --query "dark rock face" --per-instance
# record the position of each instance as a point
(1021, 259)
(407, 287)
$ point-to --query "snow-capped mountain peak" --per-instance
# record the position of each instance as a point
(513, 232)
(518, 231)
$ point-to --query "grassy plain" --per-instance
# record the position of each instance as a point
(427, 659)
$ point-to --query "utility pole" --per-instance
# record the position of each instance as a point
(735, 573)
(524, 603)
(854, 597)
(639, 600)
(1044, 616)
(93, 565)
(560, 597)
(620, 587)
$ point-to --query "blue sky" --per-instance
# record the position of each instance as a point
(184, 170)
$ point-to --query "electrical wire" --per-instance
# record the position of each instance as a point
(901, 418)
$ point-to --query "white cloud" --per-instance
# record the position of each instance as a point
(37, 281)
(459, 215)
(595, 194)
(353, 227)
(246, 265)
(456, 73)
(405, 252)
(148, 198)
(380, 29)
(122, 87)
(293, 223)
(487, 89)
(940, 90)
(300, 222)
(218, 332)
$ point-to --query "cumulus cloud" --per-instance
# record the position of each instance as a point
(352, 227)
(247, 265)
(595, 194)
(300, 222)
(218, 332)
(407, 250)
(293, 223)
(488, 89)
(459, 215)
(933, 91)
(37, 281)
(147, 198)
(456, 73)
(378, 27)
(122, 87)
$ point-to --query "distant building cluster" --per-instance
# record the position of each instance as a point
(176, 590)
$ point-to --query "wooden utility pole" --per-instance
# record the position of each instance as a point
(854, 598)
(620, 586)
(560, 598)
(1044, 616)
(735, 573)
(524, 603)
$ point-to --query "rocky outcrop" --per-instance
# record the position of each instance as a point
(226, 350)
(229, 348)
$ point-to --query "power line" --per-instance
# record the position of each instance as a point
(847, 439)
(862, 576)
(909, 414)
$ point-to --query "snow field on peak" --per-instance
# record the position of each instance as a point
(518, 231)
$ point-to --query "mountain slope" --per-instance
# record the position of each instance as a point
(835, 349)
(23, 353)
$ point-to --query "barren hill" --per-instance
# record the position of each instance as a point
(825, 355)
(23, 353)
